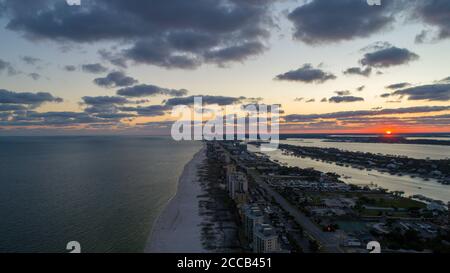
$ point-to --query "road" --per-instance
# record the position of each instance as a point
(327, 241)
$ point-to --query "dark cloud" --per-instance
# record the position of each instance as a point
(324, 21)
(435, 13)
(422, 37)
(361, 88)
(119, 61)
(343, 93)
(177, 33)
(6, 66)
(310, 101)
(389, 56)
(207, 100)
(35, 76)
(115, 79)
(158, 53)
(148, 111)
(104, 100)
(431, 92)
(145, 90)
(70, 68)
(404, 122)
(299, 99)
(12, 107)
(94, 68)
(398, 85)
(306, 74)
(445, 80)
(343, 99)
(235, 53)
(358, 71)
(366, 113)
(60, 119)
(26, 98)
(31, 60)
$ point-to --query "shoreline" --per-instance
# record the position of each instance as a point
(411, 186)
(177, 229)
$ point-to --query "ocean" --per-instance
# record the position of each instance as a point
(104, 192)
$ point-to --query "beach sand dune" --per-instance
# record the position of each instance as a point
(177, 229)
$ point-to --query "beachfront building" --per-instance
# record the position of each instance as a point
(230, 169)
(448, 214)
(251, 216)
(237, 186)
(265, 239)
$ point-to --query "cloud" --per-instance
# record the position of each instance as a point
(361, 88)
(366, 113)
(398, 85)
(61, 119)
(26, 98)
(431, 92)
(12, 107)
(445, 80)
(115, 79)
(435, 13)
(94, 68)
(207, 100)
(299, 99)
(148, 111)
(389, 56)
(306, 74)
(70, 68)
(145, 90)
(176, 34)
(104, 100)
(358, 71)
(6, 66)
(159, 54)
(31, 60)
(35, 76)
(119, 61)
(343, 93)
(236, 53)
(344, 99)
(422, 37)
(325, 21)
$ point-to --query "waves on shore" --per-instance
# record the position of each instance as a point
(178, 228)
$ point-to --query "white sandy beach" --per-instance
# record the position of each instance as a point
(177, 229)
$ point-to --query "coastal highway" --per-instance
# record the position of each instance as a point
(328, 241)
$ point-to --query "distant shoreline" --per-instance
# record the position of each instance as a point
(177, 229)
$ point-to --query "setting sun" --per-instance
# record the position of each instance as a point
(388, 132)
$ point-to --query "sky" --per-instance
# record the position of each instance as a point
(114, 66)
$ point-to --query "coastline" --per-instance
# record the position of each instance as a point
(177, 229)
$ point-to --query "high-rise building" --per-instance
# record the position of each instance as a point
(265, 239)
(252, 216)
(237, 185)
(448, 214)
